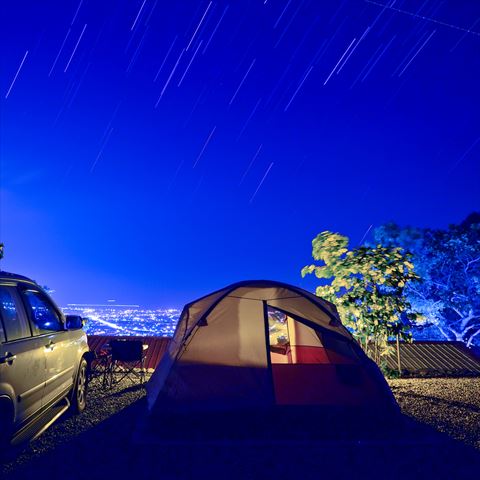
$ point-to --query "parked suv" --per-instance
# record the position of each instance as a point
(43, 360)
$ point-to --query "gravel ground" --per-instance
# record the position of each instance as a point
(450, 405)
(97, 444)
(102, 405)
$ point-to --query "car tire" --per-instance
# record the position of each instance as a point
(79, 393)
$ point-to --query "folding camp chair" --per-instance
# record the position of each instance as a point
(100, 364)
(127, 360)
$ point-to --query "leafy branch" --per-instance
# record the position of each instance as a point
(367, 284)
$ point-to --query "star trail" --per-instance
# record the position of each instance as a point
(152, 151)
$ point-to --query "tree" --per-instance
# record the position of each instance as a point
(367, 285)
(449, 263)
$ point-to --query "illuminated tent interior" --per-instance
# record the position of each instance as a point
(261, 343)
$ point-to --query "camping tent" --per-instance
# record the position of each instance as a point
(263, 343)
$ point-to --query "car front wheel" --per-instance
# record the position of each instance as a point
(79, 397)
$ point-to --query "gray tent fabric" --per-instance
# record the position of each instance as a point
(221, 356)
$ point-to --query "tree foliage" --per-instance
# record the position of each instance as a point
(367, 285)
(449, 263)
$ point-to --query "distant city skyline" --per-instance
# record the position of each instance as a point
(113, 304)
(125, 320)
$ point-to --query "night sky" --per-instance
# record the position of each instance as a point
(153, 151)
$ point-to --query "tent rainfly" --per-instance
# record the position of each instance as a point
(263, 343)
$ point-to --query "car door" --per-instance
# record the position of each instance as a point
(60, 349)
(22, 357)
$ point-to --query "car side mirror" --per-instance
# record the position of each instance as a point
(73, 322)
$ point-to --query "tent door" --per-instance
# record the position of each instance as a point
(301, 370)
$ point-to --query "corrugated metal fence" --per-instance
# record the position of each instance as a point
(418, 358)
(435, 358)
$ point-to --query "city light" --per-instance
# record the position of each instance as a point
(128, 320)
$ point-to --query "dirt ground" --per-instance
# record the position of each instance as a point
(441, 440)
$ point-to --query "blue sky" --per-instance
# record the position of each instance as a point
(131, 174)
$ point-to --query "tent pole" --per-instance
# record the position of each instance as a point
(267, 348)
(398, 356)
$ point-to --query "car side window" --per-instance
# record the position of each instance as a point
(44, 316)
(12, 315)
